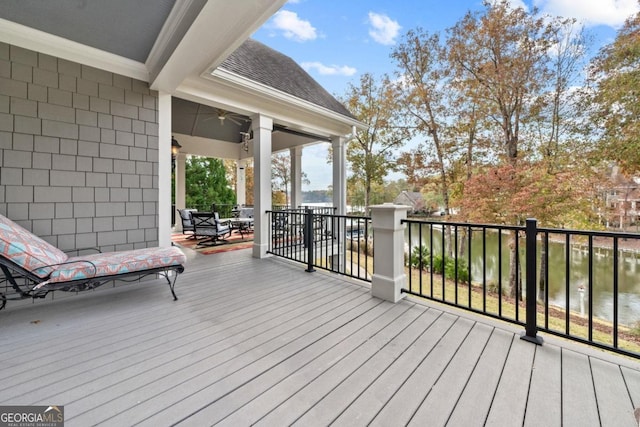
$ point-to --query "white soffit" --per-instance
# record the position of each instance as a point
(218, 30)
(39, 41)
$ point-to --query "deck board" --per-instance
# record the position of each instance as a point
(403, 404)
(351, 387)
(510, 397)
(307, 366)
(263, 342)
(219, 371)
(439, 404)
(614, 402)
(374, 398)
(475, 401)
(578, 395)
(544, 407)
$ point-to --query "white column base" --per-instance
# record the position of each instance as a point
(387, 288)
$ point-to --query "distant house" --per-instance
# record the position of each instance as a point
(415, 199)
(622, 204)
(622, 201)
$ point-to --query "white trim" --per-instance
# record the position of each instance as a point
(281, 96)
(164, 169)
(220, 27)
(39, 41)
(171, 25)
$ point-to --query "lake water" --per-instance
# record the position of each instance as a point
(559, 286)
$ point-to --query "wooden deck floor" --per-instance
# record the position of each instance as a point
(263, 342)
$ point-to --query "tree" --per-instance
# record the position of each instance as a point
(248, 182)
(423, 73)
(281, 176)
(557, 107)
(498, 60)
(206, 183)
(371, 151)
(413, 164)
(615, 73)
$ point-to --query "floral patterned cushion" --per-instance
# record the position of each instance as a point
(28, 250)
(113, 263)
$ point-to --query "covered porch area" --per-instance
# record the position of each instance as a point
(255, 103)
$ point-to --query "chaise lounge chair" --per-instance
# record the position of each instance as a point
(32, 267)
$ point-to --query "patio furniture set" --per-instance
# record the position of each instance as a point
(214, 230)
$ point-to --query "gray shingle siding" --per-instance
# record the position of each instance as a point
(64, 127)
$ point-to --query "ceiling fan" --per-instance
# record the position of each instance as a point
(223, 115)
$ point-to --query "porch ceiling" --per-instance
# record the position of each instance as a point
(202, 121)
(190, 118)
(122, 27)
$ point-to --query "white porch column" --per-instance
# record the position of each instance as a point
(262, 127)
(241, 182)
(339, 175)
(164, 169)
(296, 176)
(180, 181)
(388, 255)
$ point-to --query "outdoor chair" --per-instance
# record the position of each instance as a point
(243, 223)
(33, 267)
(209, 226)
(187, 222)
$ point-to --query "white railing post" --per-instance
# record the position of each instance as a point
(388, 251)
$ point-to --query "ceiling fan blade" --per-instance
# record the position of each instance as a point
(234, 120)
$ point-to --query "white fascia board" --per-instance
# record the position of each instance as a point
(249, 97)
(171, 26)
(198, 146)
(39, 41)
(282, 97)
(218, 30)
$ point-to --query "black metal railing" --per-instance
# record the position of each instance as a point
(225, 210)
(338, 243)
(580, 285)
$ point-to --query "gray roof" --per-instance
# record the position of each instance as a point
(262, 64)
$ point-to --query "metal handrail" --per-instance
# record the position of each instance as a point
(451, 263)
(338, 243)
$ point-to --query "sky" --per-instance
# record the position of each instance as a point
(336, 41)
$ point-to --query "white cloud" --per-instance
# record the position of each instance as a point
(592, 12)
(384, 30)
(293, 27)
(329, 70)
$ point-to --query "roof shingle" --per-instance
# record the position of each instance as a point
(262, 64)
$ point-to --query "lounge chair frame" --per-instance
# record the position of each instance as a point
(25, 284)
(19, 282)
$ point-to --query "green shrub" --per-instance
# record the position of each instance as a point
(438, 264)
(450, 270)
(420, 254)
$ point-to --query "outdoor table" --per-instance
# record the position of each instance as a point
(241, 225)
